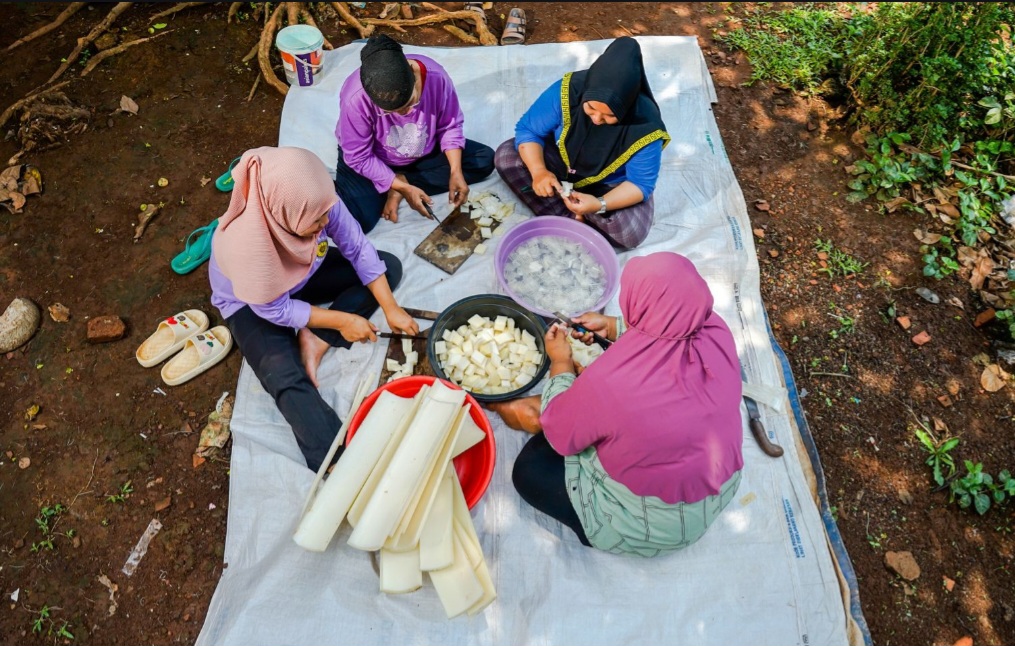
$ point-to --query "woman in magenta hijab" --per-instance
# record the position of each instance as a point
(642, 451)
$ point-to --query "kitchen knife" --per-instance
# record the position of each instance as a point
(599, 340)
(757, 428)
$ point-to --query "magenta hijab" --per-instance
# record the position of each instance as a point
(662, 405)
(277, 192)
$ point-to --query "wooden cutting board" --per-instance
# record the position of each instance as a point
(422, 366)
(453, 241)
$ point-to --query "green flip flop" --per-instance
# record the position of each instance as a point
(225, 181)
(196, 249)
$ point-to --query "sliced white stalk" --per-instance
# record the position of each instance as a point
(405, 471)
(329, 508)
(393, 365)
(465, 532)
(400, 571)
(436, 546)
(406, 346)
(415, 517)
(366, 492)
(457, 585)
(468, 437)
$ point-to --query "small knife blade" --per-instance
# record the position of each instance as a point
(757, 428)
(395, 335)
(601, 341)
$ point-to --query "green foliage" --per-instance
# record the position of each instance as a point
(125, 490)
(46, 523)
(44, 622)
(978, 489)
(796, 48)
(940, 458)
(839, 263)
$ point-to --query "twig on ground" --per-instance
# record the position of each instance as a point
(175, 8)
(485, 37)
(144, 219)
(264, 48)
(28, 98)
(96, 31)
(83, 492)
(343, 11)
(252, 53)
(831, 374)
(233, 9)
(913, 150)
(250, 96)
(101, 56)
(42, 31)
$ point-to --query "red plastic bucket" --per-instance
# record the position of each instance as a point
(475, 466)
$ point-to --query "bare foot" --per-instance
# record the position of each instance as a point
(390, 211)
(312, 349)
(520, 414)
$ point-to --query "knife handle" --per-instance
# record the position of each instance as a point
(421, 314)
(758, 429)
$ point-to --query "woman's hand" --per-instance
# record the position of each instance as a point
(358, 329)
(604, 326)
(545, 184)
(400, 321)
(416, 197)
(458, 190)
(559, 350)
(581, 204)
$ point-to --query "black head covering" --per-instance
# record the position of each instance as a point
(385, 73)
(617, 78)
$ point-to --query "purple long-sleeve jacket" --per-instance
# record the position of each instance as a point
(372, 140)
(289, 312)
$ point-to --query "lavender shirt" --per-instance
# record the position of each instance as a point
(372, 141)
(289, 312)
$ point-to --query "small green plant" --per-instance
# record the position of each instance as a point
(940, 458)
(125, 490)
(973, 488)
(46, 523)
(846, 325)
(43, 622)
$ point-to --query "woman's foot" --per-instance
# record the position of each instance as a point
(390, 211)
(520, 414)
(312, 349)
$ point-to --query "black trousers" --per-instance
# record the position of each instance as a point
(430, 173)
(538, 476)
(273, 351)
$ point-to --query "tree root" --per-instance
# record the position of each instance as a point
(461, 34)
(101, 56)
(174, 9)
(144, 219)
(343, 11)
(485, 37)
(257, 82)
(233, 9)
(90, 38)
(264, 48)
(309, 19)
(28, 98)
(42, 31)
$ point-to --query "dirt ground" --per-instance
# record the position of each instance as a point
(103, 422)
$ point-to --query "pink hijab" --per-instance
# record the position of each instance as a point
(662, 405)
(277, 192)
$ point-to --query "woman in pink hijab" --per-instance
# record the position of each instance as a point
(642, 451)
(272, 271)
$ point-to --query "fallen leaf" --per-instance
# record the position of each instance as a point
(985, 317)
(24, 463)
(9, 177)
(945, 401)
(953, 386)
(966, 256)
(940, 426)
(922, 338)
(127, 104)
(59, 312)
(926, 238)
(32, 412)
(761, 205)
(956, 302)
(31, 181)
(981, 359)
(981, 270)
(992, 378)
(949, 210)
(39, 427)
(893, 205)
(205, 180)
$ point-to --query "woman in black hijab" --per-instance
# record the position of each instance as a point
(590, 147)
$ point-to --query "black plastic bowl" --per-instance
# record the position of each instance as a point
(490, 306)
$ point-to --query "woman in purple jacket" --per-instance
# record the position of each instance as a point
(400, 136)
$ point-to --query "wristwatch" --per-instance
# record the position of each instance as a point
(602, 206)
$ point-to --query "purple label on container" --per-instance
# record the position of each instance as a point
(304, 71)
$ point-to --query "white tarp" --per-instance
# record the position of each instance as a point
(762, 574)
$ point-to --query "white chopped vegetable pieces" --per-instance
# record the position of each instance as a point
(552, 273)
(489, 357)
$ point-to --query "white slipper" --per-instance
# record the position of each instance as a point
(200, 352)
(170, 336)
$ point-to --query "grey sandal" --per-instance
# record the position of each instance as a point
(514, 30)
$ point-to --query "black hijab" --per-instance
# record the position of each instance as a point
(385, 73)
(617, 78)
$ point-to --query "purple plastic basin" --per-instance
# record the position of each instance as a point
(561, 228)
